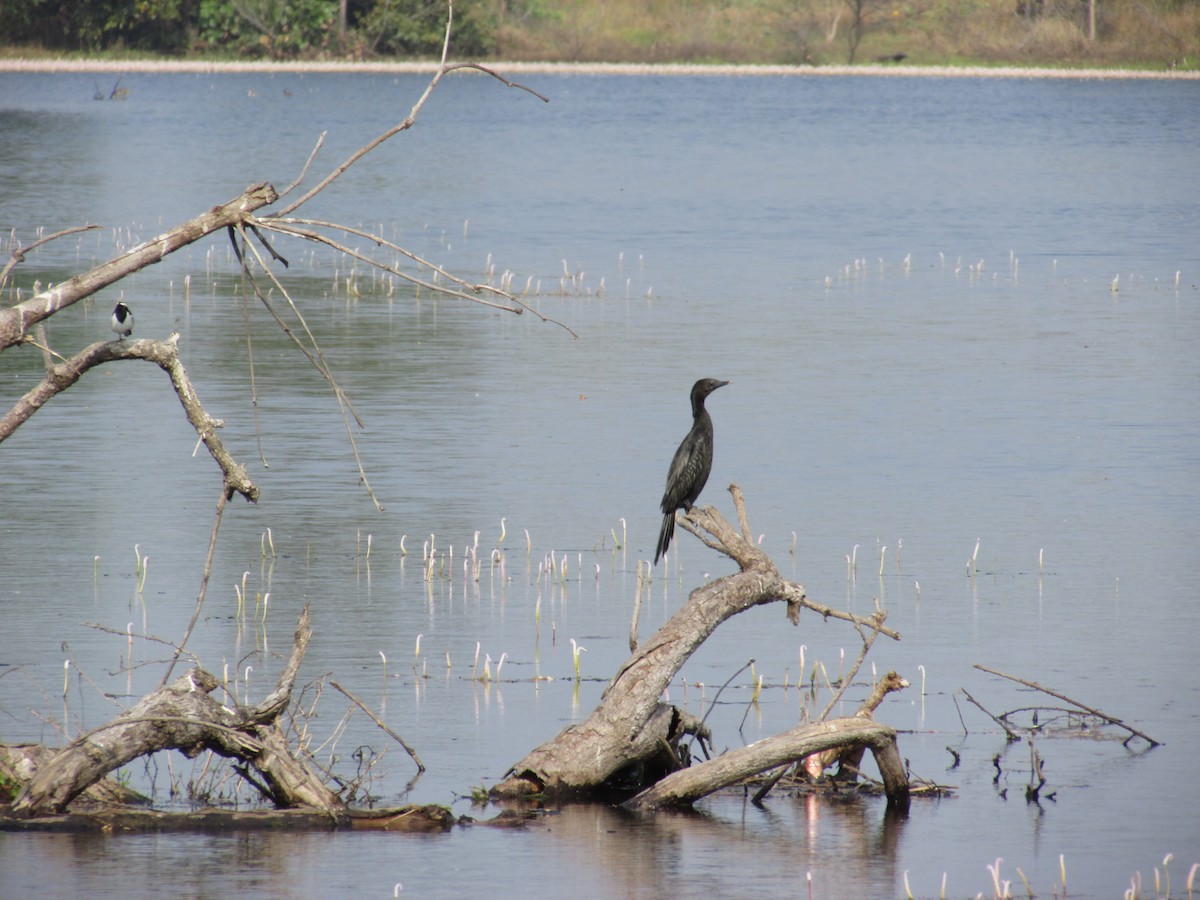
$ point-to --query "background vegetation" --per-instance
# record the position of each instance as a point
(1143, 33)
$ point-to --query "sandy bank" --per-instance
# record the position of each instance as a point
(523, 68)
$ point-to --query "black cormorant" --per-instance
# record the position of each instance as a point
(691, 465)
(122, 321)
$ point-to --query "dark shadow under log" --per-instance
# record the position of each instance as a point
(631, 726)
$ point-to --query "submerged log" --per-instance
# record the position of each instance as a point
(410, 819)
(631, 727)
(183, 716)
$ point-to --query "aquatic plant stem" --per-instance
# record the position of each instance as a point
(226, 493)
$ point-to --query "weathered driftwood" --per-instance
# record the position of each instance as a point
(631, 727)
(18, 762)
(183, 716)
(688, 785)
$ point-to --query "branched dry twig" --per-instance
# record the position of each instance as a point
(165, 354)
(1133, 732)
(1009, 733)
(868, 641)
(382, 725)
(18, 253)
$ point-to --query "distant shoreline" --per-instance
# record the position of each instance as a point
(525, 68)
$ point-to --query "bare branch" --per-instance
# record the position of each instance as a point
(17, 320)
(307, 165)
(1064, 697)
(165, 354)
(382, 725)
(18, 253)
(222, 500)
(497, 76)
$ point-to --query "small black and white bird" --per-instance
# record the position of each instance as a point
(690, 466)
(122, 321)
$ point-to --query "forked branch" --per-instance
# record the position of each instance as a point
(164, 354)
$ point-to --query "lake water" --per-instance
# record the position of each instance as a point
(960, 318)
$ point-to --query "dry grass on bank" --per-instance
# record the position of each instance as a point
(1162, 34)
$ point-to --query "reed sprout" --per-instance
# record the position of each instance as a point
(1001, 889)
(576, 650)
(268, 543)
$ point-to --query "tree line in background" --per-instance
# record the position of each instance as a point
(1046, 32)
(272, 29)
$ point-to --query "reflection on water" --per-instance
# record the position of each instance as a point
(911, 291)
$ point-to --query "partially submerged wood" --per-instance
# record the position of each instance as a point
(631, 727)
(688, 785)
(118, 820)
(183, 716)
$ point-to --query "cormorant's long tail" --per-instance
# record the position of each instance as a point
(665, 535)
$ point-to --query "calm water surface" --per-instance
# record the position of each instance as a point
(910, 285)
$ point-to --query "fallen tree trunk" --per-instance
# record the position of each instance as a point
(688, 785)
(630, 727)
(183, 716)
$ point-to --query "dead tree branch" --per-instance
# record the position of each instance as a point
(382, 725)
(1133, 732)
(18, 253)
(1009, 733)
(164, 354)
(16, 321)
